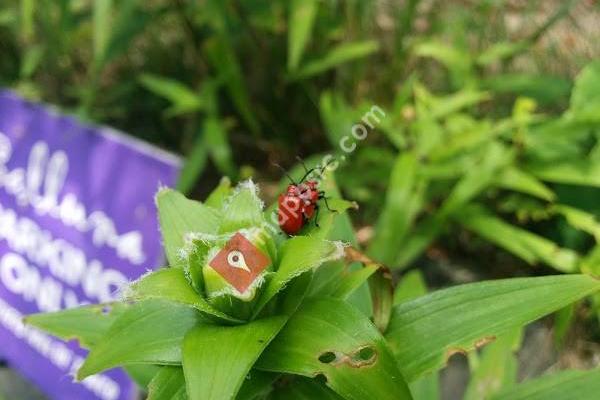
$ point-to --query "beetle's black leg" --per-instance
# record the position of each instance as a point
(323, 197)
(317, 215)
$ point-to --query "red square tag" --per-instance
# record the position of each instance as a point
(239, 262)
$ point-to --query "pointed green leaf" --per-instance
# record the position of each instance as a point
(464, 317)
(569, 384)
(328, 337)
(349, 281)
(301, 19)
(223, 58)
(500, 51)
(182, 98)
(102, 28)
(297, 255)
(580, 219)
(520, 181)
(524, 244)
(342, 54)
(574, 172)
(216, 198)
(218, 146)
(243, 209)
(216, 359)
(171, 284)
(397, 216)
(149, 332)
(87, 324)
(194, 165)
(180, 216)
(468, 187)
(585, 99)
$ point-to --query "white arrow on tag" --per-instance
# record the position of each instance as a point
(236, 259)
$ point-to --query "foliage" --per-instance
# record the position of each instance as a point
(489, 146)
(287, 327)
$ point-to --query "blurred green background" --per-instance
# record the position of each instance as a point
(485, 159)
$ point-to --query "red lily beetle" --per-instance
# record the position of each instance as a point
(299, 204)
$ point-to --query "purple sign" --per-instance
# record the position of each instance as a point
(77, 221)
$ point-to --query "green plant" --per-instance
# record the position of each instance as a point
(497, 178)
(306, 331)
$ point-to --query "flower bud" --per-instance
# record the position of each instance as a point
(235, 268)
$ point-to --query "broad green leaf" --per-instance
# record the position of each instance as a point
(465, 317)
(179, 216)
(341, 54)
(301, 19)
(171, 284)
(216, 359)
(304, 389)
(329, 337)
(242, 209)
(402, 203)
(86, 324)
(520, 181)
(182, 98)
(168, 384)
(497, 368)
(149, 332)
(298, 255)
(524, 244)
(568, 384)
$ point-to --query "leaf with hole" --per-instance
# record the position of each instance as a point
(465, 317)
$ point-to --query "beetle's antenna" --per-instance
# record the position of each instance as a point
(322, 168)
(284, 172)
(308, 172)
(301, 161)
